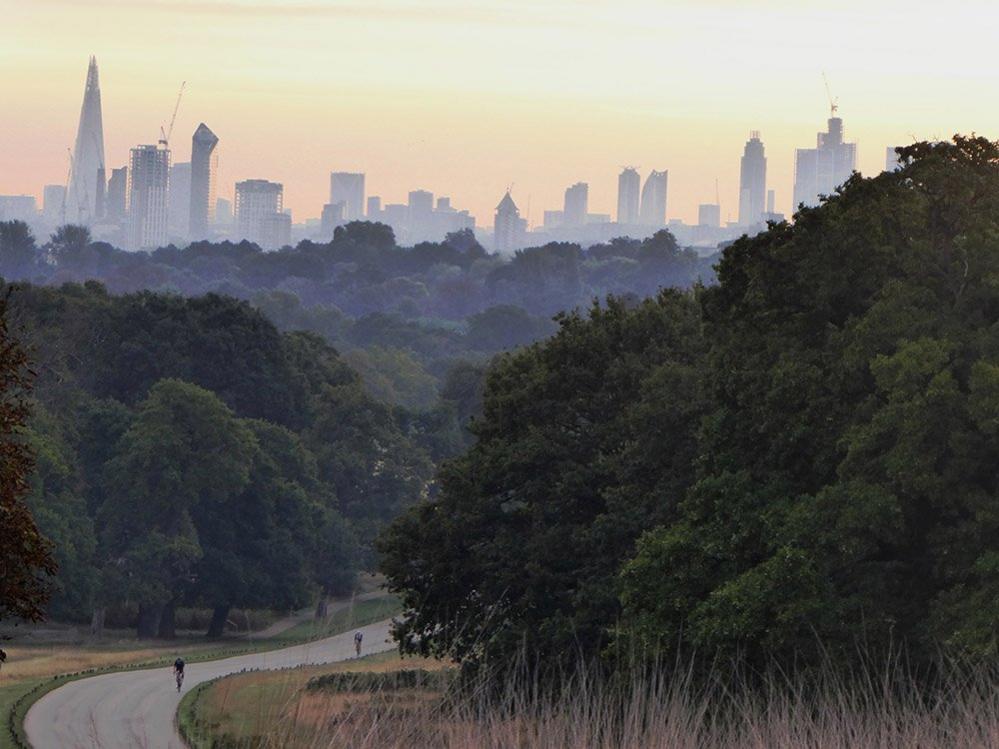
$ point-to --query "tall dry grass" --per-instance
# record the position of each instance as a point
(666, 709)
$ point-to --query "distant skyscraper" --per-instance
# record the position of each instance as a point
(53, 204)
(149, 184)
(653, 209)
(752, 181)
(116, 202)
(18, 208)
(204, 164)
(179, 200)
(771, 201)
(892, 164)
(348, 188)
(223, 212)
(259, 213)
(508, 226)
(86, 188)
(374, 210)
(709, 214)
(330, 219)
(576, 205)
(629, 185)
(421, 204)
(819, 171)
(554, 219)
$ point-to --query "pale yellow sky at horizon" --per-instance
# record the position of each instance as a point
(465, 98)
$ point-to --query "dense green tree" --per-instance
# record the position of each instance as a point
(184, 452)
(19, 257)
(26, 561)
(585, 441)
(258, 548)
(374, 468)
(59, 507)
(506, 327)
(393, 376)
(847, 491)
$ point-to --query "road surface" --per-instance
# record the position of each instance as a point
(136, 709)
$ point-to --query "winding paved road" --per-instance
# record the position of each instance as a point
(136, 709)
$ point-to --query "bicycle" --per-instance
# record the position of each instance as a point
(180, 679)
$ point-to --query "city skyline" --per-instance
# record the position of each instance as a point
(524, 106)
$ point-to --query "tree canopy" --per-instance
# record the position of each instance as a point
(795, 464)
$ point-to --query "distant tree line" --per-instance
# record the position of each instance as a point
(796, 465)
(187, 453)
(401, 316)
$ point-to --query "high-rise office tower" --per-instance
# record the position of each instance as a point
(419, 216)
(53, 204)
(653, 209)
(348, 188)
(629, 184)
(752, 181)
(771, 201)
(819, 171)
(421, 204)
(179, 200)
(116, 202)
(508, 226)
(374, 209)
(576, 205)
(86, 182)
(260, 216)
(204, 164)
(149, 185)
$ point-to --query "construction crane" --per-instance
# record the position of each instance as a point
(833, 103)
(165, 136)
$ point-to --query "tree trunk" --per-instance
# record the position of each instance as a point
(219, 616)
(168, 622)
(97, 623)
(148, 621)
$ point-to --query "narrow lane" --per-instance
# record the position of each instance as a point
(136, 709)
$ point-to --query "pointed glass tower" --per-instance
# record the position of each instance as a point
(86, 185)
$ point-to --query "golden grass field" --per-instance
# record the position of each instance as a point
(250, 706)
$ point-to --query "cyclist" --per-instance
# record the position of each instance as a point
(358, 637)
(178, 671)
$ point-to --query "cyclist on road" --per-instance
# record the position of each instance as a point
(358, 637)
(178, 670)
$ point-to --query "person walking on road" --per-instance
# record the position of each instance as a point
(178, 671)
(358, 637)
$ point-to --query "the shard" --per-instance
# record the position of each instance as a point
(85, 197)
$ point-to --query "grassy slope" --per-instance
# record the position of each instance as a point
(258, 703)
(36, 670)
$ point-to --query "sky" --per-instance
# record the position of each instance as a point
(466, 99)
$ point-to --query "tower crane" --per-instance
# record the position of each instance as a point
(165, 135)
(833, 103)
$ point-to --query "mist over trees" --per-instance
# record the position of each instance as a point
(402, 316)
(796, 465)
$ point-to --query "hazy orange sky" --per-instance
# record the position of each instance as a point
(466, 98)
